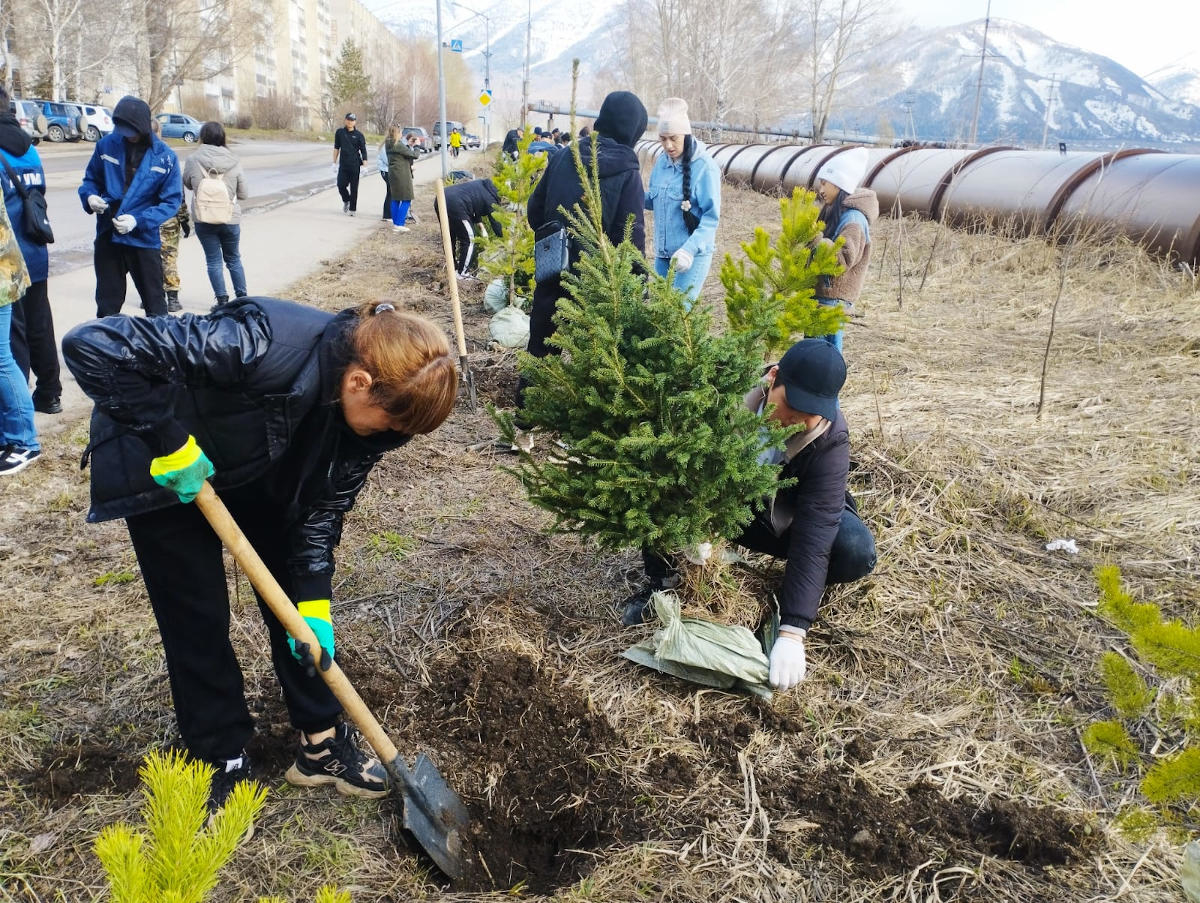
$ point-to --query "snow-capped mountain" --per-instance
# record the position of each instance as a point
(1093, 100)
(1178, 83)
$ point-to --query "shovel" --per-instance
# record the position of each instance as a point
(452, 279)
(432, 811)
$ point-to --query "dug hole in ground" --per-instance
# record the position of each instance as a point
(933, 753)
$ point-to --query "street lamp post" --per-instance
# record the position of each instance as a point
(442, 93)
(487, 59)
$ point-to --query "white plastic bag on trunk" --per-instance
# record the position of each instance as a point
(510, 328)
(495, 296)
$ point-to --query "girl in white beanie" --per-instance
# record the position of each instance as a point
(685, 195)
(848, 212)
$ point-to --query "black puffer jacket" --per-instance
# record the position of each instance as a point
(473, 201)
(257, 384)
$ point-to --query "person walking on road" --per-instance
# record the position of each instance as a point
(455, 142)
(295, 406)
(214, 176)
(19, 446)
(132, 186)
(685, 195)
(349, 157)
(169, 234)
(33, 344)
(401, 154)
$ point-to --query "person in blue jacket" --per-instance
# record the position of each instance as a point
(685, 195)
(132, 184)
(33, 343)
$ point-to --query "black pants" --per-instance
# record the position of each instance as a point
(347, 185)
(33, 344)
(541, 327)
(387, 197)
(113, 263)
(181, 564)
(462, 237)
(851, 558)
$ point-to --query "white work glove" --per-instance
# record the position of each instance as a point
(683, 261)
(787, 658)
(334, 169)
(124, 223)
(97, 203)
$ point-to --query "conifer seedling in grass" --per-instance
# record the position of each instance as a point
(509, 255)
(772, 293)
(661, 451)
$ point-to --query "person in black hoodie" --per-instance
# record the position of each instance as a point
(621, 122)
(511, 142)
(33, 343)
(468, 205)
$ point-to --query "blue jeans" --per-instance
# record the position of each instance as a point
(221, 242)
(690, 282)
(836, 339)
(16, 404)
(400, 212)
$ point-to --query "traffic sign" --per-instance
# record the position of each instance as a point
(456, 45)
(485, 97)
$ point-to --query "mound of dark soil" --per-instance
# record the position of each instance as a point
(891, 835)
(541, 797)
(76, 767)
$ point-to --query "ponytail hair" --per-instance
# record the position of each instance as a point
(413, 377)
(689, 146)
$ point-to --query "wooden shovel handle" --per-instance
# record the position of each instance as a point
(451, 274)
(281, 606)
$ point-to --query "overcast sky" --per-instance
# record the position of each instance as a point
(1140, 36)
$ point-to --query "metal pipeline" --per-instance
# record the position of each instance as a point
(1149, 197)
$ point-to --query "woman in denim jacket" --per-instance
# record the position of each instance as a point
(685, 195)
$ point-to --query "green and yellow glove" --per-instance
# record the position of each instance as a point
(316, 613)
(183, 471)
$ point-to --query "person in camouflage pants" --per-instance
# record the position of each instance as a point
(169, 233)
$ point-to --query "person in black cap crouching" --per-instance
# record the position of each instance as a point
(132, 184)
(622, 121)
(812, 524)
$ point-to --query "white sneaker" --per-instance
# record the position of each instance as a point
(399, 228)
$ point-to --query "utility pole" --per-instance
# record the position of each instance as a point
(442, 94)
(979, 85)
(1049, 107)
(525, 83)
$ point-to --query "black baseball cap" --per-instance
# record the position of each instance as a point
(352, 116)
(812, 372)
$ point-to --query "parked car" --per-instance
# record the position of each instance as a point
(451, 125)
(64, 121)
(31, 118)
(423, 143)
(473, 141)
(98, 121)
(179, 125)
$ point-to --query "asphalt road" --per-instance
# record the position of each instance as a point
(276, 172)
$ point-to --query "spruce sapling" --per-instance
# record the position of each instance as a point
(775, 297)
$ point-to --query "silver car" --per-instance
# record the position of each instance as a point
(29, 114)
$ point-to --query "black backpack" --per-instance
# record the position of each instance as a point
(35, 221)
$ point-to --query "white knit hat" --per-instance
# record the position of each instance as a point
(845, 170)
(673, 117)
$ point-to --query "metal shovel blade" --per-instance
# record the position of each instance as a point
(432, 812)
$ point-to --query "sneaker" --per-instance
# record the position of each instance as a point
(352, 212)
(230, 773)
(173, 305)
(48, 405)
(399, 228)
(338, 761)
(345, 206)
(14, 460)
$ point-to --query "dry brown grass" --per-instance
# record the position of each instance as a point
(966, 661)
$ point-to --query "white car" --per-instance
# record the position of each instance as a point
(98, 121)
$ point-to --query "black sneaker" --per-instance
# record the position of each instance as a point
(340, 762)
(14, 460)
(230, 773)
(48, 405)
(636, 609)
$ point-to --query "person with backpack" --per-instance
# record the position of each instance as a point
(132, 186)
(685, 195)
(848, 212)
(33, 344)
(215, 178)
